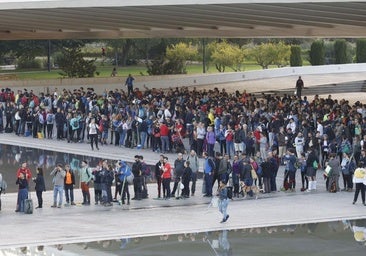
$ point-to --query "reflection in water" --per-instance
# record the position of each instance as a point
(328, 238)
(11, 157)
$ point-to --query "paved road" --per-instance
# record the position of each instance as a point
(155, 217)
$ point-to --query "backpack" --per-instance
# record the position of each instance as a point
(45, 102)
(146, 169)
(49, 118)
(230, 192)
(212, 164)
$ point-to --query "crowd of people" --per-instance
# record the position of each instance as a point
(248, 132)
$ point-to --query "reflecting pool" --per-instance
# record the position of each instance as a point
(328, 238)
(11, 157)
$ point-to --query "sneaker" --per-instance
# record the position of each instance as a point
(59, 206)
(227, 217)
(53, 206)
(353, 202)
(72, 203)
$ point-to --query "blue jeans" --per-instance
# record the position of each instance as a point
(164, 143)
(229, 148)
(57, 189)
(122, 137)
(69, 193)
(208, 180)
(223, 207)
(194, 180)
(22, 195)
(143, 136)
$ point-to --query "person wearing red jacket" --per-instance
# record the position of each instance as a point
(26, 171)
(164, 137)
(166, 177)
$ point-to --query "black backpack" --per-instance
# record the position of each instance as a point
(230, 192)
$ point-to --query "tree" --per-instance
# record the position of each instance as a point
(122, 47)
(296, 58)
(317, 53)
(264, 54)
(225, 55)
(179, 54)
(282, 54)
(361, 51)
(340, 51)
(72, 61)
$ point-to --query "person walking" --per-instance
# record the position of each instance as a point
(359, 178)
(40, 186)
(223, 201)
(85, 178)
(69, 185)
(58, 185)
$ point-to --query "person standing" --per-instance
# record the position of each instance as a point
(186, 178)
(208, 169)
(85, 178)
(299, 87)
(312, 163)
(58, 185)
(178, 171)
(97, 184)
(124, 171)
(224, 169)
(333, 176)
(22, 192)
(40, 186)
(26, 171)
(107, 181)
(359, 179)
(223, 201)
(69, 185)
(158, 172)
(137, 180)
(129, 85)
(93, 134)
(166, 177)
(194, 164)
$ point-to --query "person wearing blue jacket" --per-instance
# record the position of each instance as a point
(123, 172)
(290, 168)
(223, 201)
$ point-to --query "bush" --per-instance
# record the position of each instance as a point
(295, 58)
(340, 51)
(29, 64)
(317, 53)
(361, 51)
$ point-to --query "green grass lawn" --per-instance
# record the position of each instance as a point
(105, 71)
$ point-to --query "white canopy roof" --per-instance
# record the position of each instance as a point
(57, 19)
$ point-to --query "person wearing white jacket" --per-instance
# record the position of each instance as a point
(359, 179)
(299, 144)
